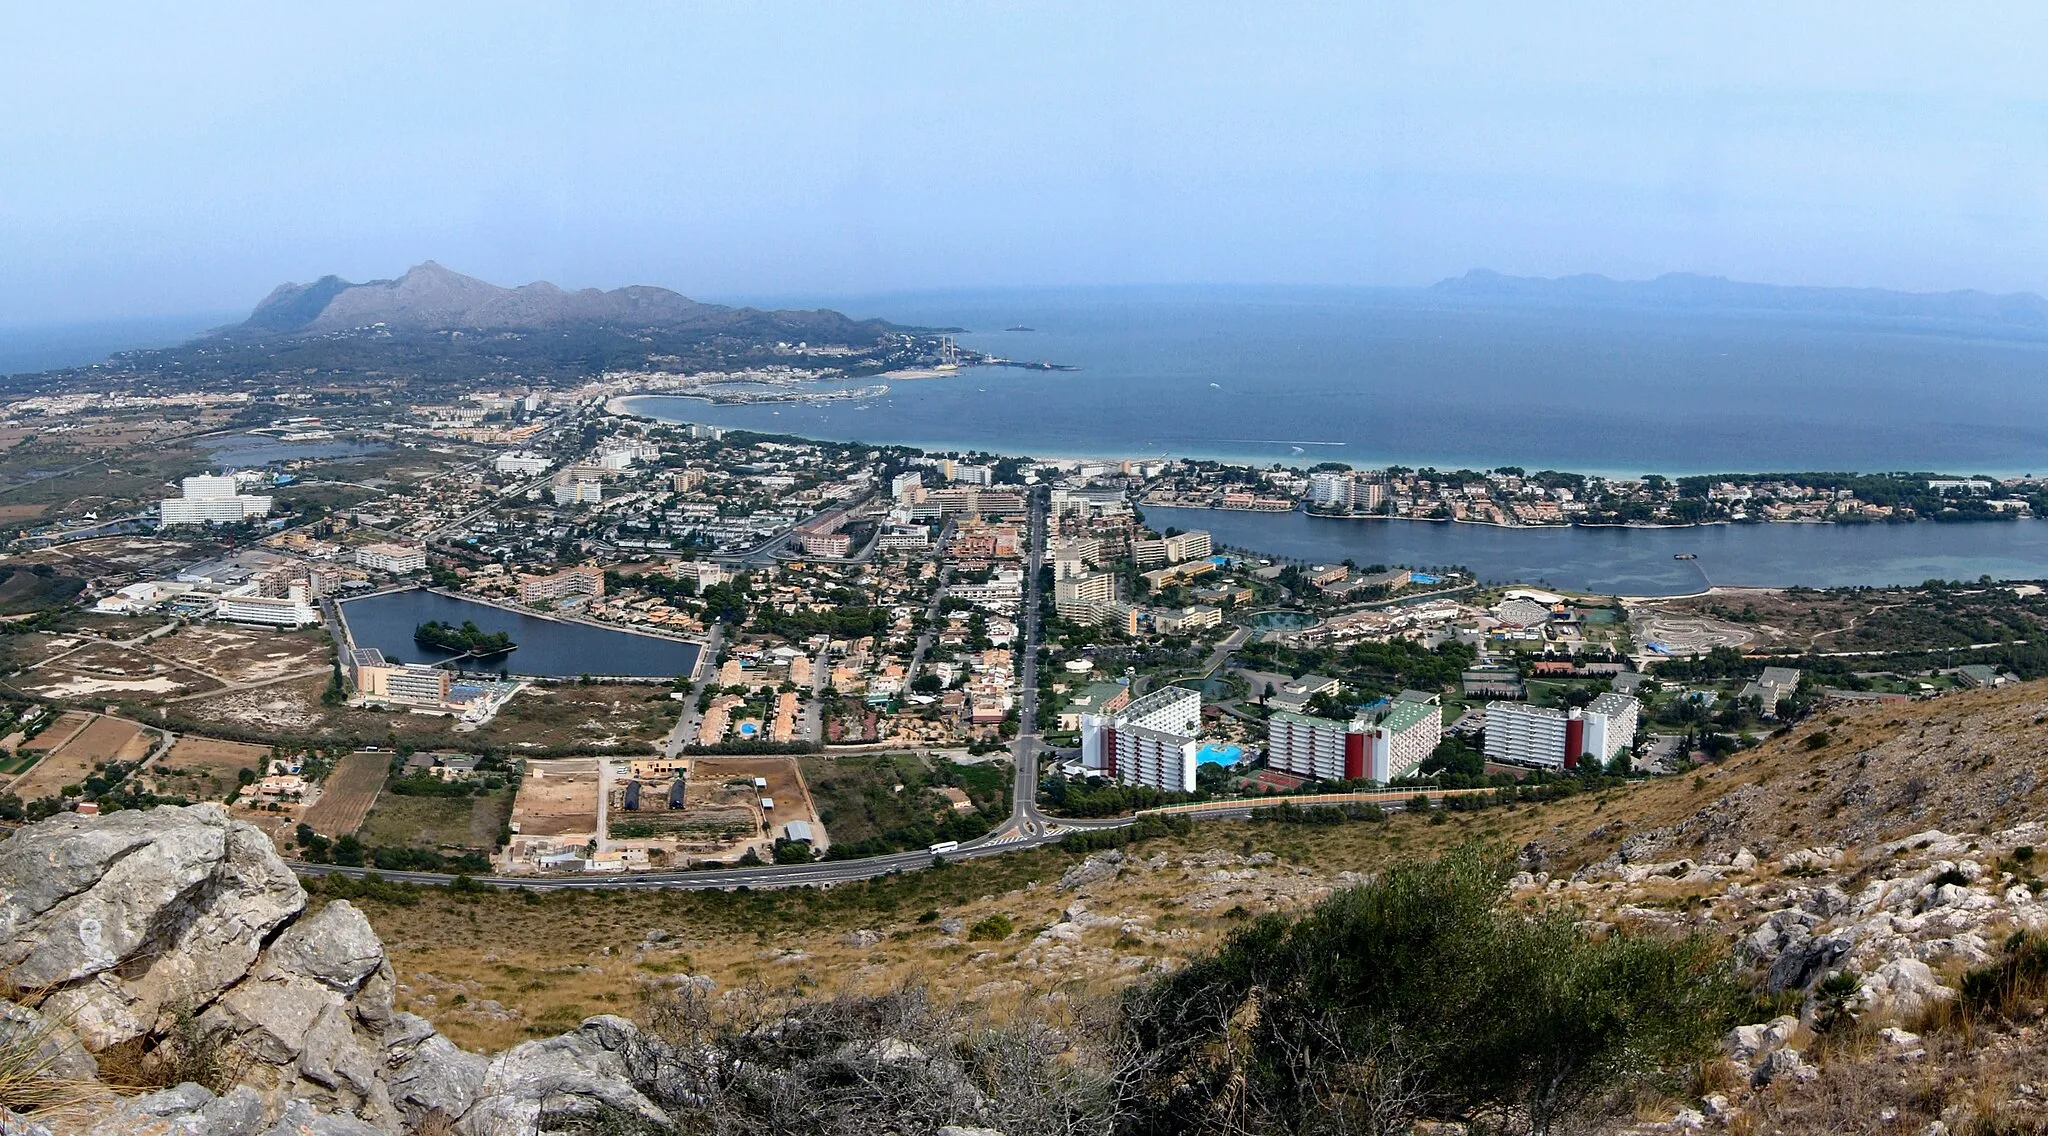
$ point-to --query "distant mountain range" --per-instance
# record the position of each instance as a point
(432, 298)
(1685, 290)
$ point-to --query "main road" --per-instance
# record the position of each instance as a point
(1025, 819)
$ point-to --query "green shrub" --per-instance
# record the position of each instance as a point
(994, 927)
(2019, 975)
(1420, 994)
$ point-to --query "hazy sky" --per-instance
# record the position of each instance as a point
(163, 159)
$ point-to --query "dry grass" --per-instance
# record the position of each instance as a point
(205, 769)
(546, 956)
(29, 1053)
(551, 958)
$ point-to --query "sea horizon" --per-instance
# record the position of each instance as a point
(1379, 377)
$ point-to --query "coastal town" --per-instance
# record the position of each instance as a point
(527, 631)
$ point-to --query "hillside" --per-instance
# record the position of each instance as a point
(432, 298)
(436, 332)
(1863, 875)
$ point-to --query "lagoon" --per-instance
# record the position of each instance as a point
(1640, 562)
(548, 648)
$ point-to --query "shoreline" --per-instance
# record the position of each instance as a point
(1289, 461)
(612, 406)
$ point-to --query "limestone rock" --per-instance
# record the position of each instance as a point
(179, 900)
(1097, 867)
(437, 1077)
(300, 1119)
(335, 947)
(570, 1075)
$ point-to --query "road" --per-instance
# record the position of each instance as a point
(931, 611)
(685, 730)
(773, 549)
(1025, 819)
(823, 873)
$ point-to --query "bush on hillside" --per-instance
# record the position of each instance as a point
(1420, 994)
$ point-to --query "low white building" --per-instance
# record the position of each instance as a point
(522, 463)
(397, 559)
(244, 605)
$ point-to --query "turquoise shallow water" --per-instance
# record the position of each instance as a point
(1214, 754)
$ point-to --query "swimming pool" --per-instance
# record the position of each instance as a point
(748, 729)
(1424, 578)
(1212, 753)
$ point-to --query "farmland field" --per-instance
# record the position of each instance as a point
(348, 793)
(436, 822)
(103, 740)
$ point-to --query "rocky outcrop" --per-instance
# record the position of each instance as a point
(175, 923)
(133, 917)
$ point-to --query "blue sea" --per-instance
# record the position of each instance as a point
(1373, 377)
(42, 347)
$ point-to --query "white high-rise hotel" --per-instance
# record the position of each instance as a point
(1150, 742)
(1519, 734)
(210, 500)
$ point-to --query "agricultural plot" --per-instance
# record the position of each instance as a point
(436, 822)
(348, 794)
(726, 782)
(100, 741)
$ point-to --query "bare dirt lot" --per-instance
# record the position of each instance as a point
(237, 655)
(557, 798)
(119, 555)
(58, 732)
(102, 670)
(103, 740)
(727, 781)
(205, 769)
(348, 793)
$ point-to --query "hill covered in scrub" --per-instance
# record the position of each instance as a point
(1838, 931)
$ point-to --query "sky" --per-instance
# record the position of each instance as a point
(157, 160)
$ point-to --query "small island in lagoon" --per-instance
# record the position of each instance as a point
(468, 639)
